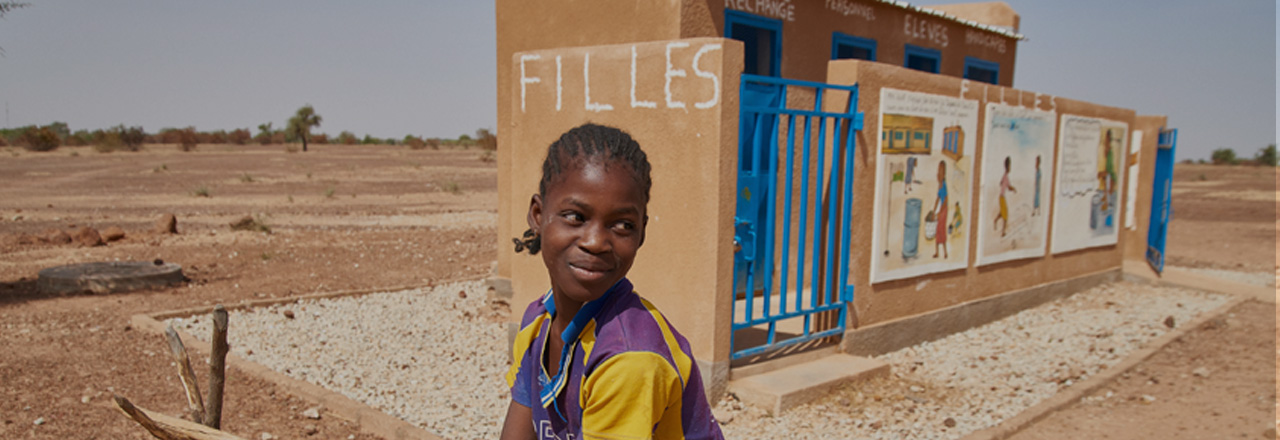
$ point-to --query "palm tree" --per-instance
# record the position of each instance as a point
(300, 124)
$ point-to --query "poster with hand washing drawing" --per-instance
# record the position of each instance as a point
(924, 182)
(1013, 201)
(1087, 195)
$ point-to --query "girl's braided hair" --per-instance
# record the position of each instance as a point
(587, 142)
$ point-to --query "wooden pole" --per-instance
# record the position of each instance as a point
(217, 367)
(185, 372)
(170, 428)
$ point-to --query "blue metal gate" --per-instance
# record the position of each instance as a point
(777, 276)
(1161, 193)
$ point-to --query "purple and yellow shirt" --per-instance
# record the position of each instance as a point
(625, 373)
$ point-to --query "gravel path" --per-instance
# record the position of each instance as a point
(433, 357)
(436, 359)
(972, 380)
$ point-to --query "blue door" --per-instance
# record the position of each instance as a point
(761, 38)
(1161, 199)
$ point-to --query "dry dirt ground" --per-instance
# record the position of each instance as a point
(1225, 217)
(341, 217)
(358, 217)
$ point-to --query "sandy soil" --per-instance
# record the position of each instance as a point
(340, 218)
(348, 217)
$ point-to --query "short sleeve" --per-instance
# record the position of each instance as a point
(627, 395)
(520, 374)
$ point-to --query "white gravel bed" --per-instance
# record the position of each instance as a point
(976, 379)
(437, 360)
(1254, 278)
(427, 356)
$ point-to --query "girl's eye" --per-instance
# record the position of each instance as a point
(625, 226)
(573, 217)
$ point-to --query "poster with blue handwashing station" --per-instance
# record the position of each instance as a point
(1013, 197)
(1091, 155)
(924, 183)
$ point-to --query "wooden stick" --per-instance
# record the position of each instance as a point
(217, 368)
(170, 428)
(185, 372)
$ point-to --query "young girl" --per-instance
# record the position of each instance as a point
(593, 359)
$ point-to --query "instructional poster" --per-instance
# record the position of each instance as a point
(924, 182)
(1017, 165)
(1090, 161)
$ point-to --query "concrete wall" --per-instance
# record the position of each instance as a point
(807, 27)
(678, 99)
(889, 300)
(525, 25)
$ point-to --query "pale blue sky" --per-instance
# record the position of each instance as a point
(392, 68)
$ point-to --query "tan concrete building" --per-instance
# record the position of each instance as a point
(726, 243)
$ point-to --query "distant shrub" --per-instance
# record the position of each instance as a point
(201, 191)
(1266, 156)
(414, 142)
(213, 137)
(1224, 156)
(370, 140)
(188, 140)
(320, 138)
(347, 138)
(433, 143)
(488, 157)
(132, 137)
(79, 139)
(40, 139)
(486, 140)
(239, 136)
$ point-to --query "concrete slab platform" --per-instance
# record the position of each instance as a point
(1139, 271)
(785, 388)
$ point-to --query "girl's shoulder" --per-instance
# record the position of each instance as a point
(536, 308)
(632, 323)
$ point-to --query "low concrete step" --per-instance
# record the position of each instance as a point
(785, 388)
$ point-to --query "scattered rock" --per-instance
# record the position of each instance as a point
(17, 218)
(1147, 398)
(1215, 324)
(56, 236)
(844, 401)
(168, 224)
(266, 436)
(876, 424)
(112, 233)
(312, 413)
(87, 237)
(310, 429)
(287, 314)
(462, 294)
(949, 422)
(1200, 372)
(85, 399)
(1270, 433)
(1168, 322)
(39, 421)
(722, 416)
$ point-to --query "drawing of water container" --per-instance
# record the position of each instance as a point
(911, 229)
(1096, 214)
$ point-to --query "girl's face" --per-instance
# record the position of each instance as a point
(592, 223)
